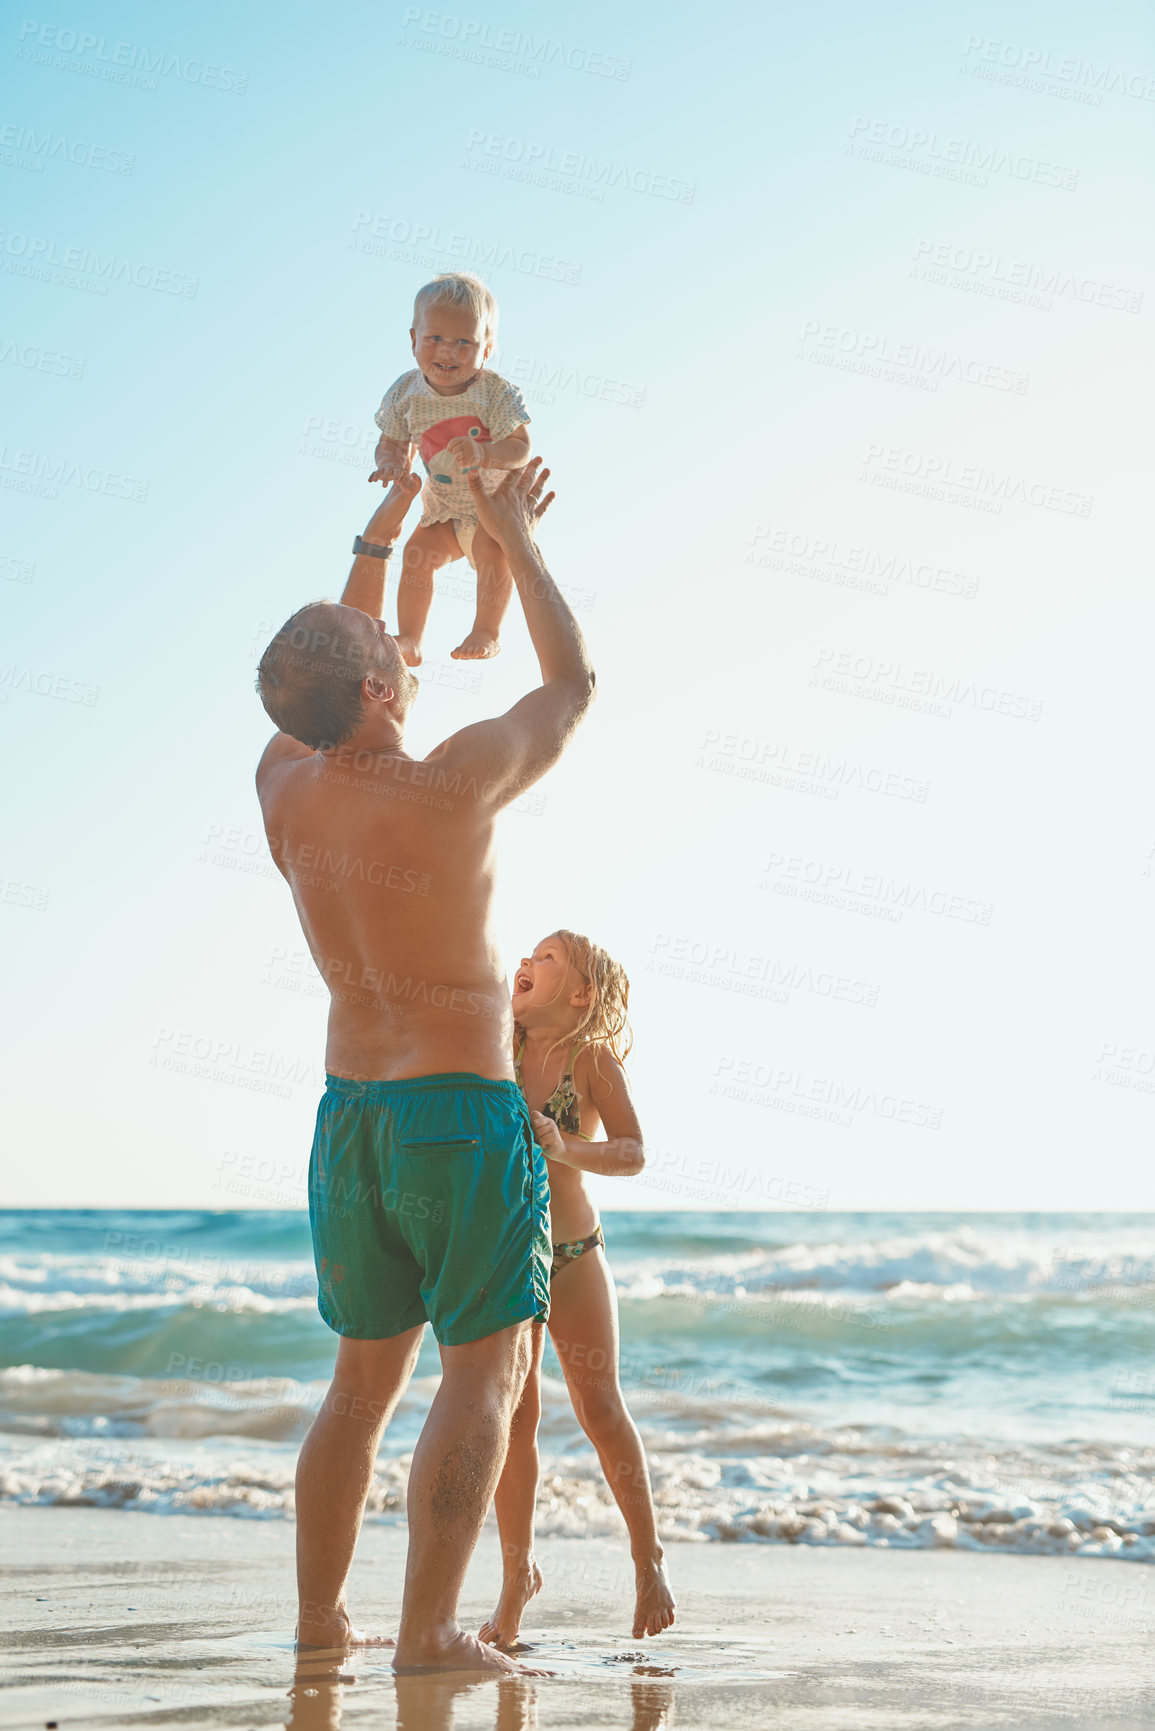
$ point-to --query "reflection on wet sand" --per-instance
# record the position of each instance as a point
(653, 1704)
(427, 1703)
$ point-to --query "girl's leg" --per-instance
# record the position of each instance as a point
(494, 590)
(426, 550)
(583, 1325)
(514, 1502)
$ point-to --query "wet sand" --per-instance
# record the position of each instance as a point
(128, 1619)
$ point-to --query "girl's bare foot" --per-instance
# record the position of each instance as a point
(503, 1628)
(478, 646)
(459, 1652)
(410, 649)
(654, 1610)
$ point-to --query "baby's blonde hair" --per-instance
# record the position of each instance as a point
(467, 292)
(605, 1021)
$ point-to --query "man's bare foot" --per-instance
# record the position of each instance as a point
(654, 1610)
(478, 646)
(458, 1652)
(335, 1634)
(503, 1628)
(410, 649)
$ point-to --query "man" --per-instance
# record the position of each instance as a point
(427, 1194)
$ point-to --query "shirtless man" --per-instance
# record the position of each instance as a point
(427, 1194)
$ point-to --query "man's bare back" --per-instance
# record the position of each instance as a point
(391, 863)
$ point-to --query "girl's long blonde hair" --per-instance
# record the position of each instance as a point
(606, 1019)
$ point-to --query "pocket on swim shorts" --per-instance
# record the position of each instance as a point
(429, 1145)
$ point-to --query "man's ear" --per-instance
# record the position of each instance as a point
(377, 688)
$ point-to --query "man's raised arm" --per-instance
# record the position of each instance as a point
(513, 510)
(364, 589)
(365, 585)
(516, 749)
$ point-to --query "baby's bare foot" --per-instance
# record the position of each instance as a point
(654, 1610)
(478, 646)
(410, 649)
(503, 1628)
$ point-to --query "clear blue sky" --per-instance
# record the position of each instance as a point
(832, 326)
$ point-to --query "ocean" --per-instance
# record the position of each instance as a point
(977, 1381)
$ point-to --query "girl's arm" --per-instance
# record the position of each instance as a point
(622, 1153)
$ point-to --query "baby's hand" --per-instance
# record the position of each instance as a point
(391, 462)
(549, 1137)
(390, 470)
(470, 453)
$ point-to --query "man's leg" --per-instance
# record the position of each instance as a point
(334, 1473)
(455, 1469)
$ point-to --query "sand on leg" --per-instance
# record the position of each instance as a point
(494, 593)
(455, 1469)
(334, 1472)
(583, 1325)
(514, 1502)
(430, 546)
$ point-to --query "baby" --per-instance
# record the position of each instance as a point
(460, 417)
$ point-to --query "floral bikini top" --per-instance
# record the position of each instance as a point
(562, 1105)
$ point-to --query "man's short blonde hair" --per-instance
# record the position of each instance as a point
(467, 292)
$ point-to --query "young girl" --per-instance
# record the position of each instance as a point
(571, 1035)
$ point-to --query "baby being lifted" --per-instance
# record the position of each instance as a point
(461, 417)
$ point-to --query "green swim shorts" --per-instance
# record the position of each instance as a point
(429, 1201)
